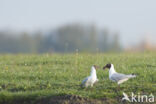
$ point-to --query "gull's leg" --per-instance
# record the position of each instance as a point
(86, 87)
(91, 86)
(118, 87)
(118, 90)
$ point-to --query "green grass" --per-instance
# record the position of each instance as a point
(30, 77)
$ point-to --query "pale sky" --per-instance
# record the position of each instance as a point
(134, 19)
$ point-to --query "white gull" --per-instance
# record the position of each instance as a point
(117, 77)
(90, 80)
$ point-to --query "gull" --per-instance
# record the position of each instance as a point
(92, 79)
(117, 77)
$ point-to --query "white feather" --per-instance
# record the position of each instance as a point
(118, 77)
(90, 80)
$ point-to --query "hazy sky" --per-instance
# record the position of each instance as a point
(133, 18)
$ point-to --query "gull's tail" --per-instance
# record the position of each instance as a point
(132, 75)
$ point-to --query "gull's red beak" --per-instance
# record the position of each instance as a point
(104, 67)
(96, 67)
(107, 66)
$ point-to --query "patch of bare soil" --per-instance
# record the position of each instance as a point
(65, 99)
(71, 99)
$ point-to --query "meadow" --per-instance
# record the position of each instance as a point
(44, 78)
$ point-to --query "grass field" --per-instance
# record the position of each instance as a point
(26, 79)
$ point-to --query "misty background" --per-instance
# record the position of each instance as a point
(41, 26)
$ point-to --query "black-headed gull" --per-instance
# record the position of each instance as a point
(90, 80)
(117, 77)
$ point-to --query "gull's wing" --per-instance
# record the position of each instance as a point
(118, 76)
(86, 81)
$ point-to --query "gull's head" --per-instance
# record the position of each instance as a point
(107, 66)
(95, 67)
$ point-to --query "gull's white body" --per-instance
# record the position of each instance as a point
(118, 77)
(90, 80)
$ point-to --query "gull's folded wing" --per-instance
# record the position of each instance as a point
(86, 81)
(119, 76)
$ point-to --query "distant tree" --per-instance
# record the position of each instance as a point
(70, 38)
(38, 42)
(67, 38)
(26, 43)
(93, 38)
(115, 44)
(104, 40)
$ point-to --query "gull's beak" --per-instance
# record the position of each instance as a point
(104, 67)
(97, 67)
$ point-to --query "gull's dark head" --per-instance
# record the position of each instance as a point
(96, 67)
(107, 66)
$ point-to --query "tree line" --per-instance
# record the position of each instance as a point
(67, 38)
